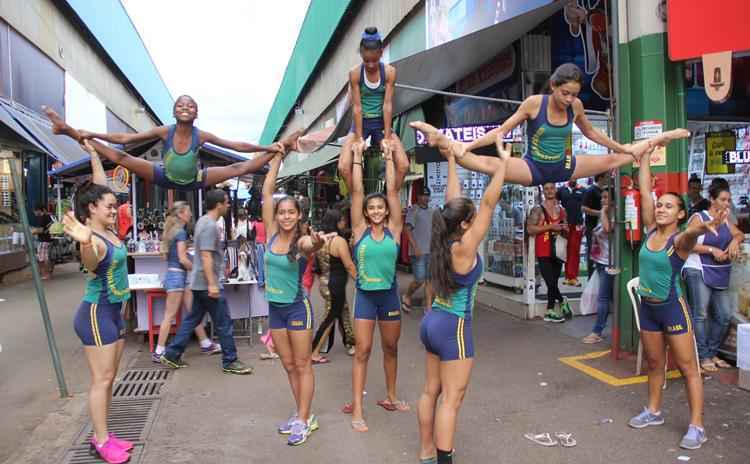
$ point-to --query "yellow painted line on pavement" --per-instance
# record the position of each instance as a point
(575, 362)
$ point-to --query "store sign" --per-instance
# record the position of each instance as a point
(736, 157)
(469, 133)
(717, 143)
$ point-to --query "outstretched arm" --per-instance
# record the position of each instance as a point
(357, 190)
(522, 114)
(269, 186)
(687, 239)
(243, 147)
(592, 133)
(648, 215)
(478, 230)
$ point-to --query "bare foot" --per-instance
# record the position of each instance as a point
(59, 126)
(290, 142)
(434, 137)
(359, 425)
(663, 139)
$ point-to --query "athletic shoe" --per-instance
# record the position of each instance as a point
(215, 348)
(565, 308)
(108, 451)
(312, 423)
(553, 316)
(171, 363)
(286, 427)
(124, 445)
(647, 418)
(299, 433)
(238, 367)
(156, 357)
(694, 438)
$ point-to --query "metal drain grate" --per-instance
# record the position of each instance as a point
(140, 383)
(130, 419)
(82, 456)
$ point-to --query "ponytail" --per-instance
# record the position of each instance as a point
(446, 226)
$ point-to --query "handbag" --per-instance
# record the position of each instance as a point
(559, 243)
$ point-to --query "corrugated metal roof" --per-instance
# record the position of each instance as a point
(321, 21)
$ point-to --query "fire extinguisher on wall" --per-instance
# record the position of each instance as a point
(632, 200)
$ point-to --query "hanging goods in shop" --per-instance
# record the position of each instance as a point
(632, 199)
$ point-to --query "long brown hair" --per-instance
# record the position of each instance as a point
(172, 224)
(446, 223)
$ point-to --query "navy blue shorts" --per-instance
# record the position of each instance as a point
(99, 324)
(447, 336)
(671, 317)
(160, 179)
(372, 127)
(292, 316)
(541, 173)
(380, 305)
(175, 281)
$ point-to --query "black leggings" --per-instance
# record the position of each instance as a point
(551, 268)
(337, 288)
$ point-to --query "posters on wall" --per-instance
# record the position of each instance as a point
(697, 158)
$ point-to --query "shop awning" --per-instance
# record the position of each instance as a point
(14, 134)
(441, 66)
(299, 163)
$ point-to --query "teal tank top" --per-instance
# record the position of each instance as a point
(461, 301)
(181, 168)
(372, 99)
(283, 277)
(109, 283)
(376, 261)
(546, 142)
(659, 270)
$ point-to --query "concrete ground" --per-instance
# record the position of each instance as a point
(518, 386)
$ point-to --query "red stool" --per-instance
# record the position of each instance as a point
(151, 295)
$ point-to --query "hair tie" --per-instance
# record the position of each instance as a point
(371, 37)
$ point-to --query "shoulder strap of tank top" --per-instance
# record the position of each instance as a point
(169, 143)
(362, 75)
(382, 74)
(541, 118)
(271, 240)
(196, 141)
(571, 115)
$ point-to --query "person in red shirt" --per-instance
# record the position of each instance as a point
(124, 220)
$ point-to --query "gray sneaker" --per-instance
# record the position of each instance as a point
(238, 367)
(645, 419)
(694, 438)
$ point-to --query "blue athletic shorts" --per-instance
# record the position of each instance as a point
(671, 316)
(447, 336)
(420, 266)
(175, 281)
(292, 316)
(372, 127)
(99, 324)
(380, 305)
(541, 173)
(160, 179)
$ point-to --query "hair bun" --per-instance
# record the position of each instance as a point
(371, 30)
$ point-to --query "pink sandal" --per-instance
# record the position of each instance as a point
(109, 451)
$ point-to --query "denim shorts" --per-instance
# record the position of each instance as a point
(175, 281)
(420, 266)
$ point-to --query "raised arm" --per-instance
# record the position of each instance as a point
(478, 230)
(648, 215)
(392, 196)
(126, 138)
(453, 189)
(523, 113)
(97, 170)
(687, 239)
(592, 133)
(269, 186)
(356, 103)
(390, 85)
(357, 191)
(244, 147)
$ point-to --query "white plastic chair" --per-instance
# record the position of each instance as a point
(635, 300)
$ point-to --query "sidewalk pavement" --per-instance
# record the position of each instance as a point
(518, 386)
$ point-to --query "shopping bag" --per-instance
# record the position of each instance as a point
(561, 248)
(590, 295)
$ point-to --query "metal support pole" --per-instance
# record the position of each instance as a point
(616, 259)
(21, 203)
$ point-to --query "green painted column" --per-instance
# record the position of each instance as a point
(651, 88)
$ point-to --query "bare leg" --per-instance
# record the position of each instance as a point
(174, 300)
(345, 161)
(454, 378)
(413, 287)
(144, 169)
(401, 159)
(283, 348)
(683, 349)
(653, 346)
(301, 343)
(516, 170)
(363, 330)
(390, 332)
(119, 348)
(101, 360)
(426, 407)
(218, 174)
